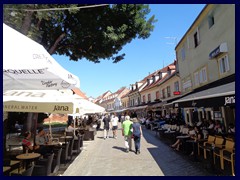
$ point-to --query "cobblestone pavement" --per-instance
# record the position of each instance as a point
(108, 158)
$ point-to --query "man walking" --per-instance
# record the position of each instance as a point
(106, 121)
(137, 133)
(114, 121)
(127, 133)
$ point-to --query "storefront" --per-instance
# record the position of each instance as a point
(216, 103)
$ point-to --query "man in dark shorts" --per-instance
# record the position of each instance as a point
(106, 126)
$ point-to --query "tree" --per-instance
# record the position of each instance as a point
(93, 33)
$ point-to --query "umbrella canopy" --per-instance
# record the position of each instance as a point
(27, 65)
(37, 101)
(87, 107)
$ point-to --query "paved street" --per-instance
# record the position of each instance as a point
(108, 158)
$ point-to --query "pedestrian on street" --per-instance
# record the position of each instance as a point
(114, 121)
(127, 133)
(137, 133)
(106, 127)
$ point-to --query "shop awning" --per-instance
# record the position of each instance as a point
(137, 107)
(225, 95)
(158, 105)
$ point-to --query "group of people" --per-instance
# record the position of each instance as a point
(42, 139)
(131, 129)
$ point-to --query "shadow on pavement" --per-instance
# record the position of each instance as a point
(119, 148)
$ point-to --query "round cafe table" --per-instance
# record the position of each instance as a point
(28, 157)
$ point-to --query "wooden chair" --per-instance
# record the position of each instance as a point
(205, 143)
(228, 154)
(229, 144)
(218, 144)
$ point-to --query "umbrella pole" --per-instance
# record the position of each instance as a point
(35, 117)
(74, 126)
(50, 130)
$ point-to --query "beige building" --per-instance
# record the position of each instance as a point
(206, 52)
(206, 63)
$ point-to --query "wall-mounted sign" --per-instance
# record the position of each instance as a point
(229, 100)
(220, 49)
(176, 93)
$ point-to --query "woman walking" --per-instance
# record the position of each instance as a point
(137, 133)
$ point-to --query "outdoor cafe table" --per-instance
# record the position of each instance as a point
(52, 144)
(28, 157)
(66, 138)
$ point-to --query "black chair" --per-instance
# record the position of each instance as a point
(76, 147)
(70, 149)
(64, 154)
(43, 167)
(56, 160)
(27, 172)
(82, 137)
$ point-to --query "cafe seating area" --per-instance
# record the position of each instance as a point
(215, 153)
(65, 147)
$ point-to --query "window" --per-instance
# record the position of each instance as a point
(144, 98)
(223, 64)
(200, 76)
(160, 75)
(210, 21)
(157, 95)
(149, 97)
(169, 72)
(168, 91)
(163, 93)
(196, 39)
(203, 75)
(196, 79)
(183, 53)
(176, 86)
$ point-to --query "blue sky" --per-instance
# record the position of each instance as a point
(142, 56)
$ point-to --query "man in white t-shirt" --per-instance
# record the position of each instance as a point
(114, 121)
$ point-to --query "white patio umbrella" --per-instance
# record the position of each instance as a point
(37, 101)
(87, 107)
(27, 65)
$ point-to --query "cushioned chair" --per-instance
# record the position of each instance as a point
(77, 143)
(56, 160)
(27, 172)
(64, 154)
(43, 167)
(70, 149)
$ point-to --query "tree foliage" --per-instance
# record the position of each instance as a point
(92, 33)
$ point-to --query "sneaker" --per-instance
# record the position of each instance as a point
(127, 150)
(138, 152)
